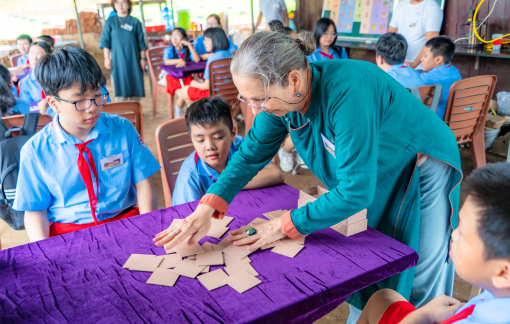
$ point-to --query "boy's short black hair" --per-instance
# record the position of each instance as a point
(47, 39)
(442, 45)
(392, 47)
(25, 36)
(218, 37)
(65, 67)
(45, 46)
(208, 112)
(490, 189)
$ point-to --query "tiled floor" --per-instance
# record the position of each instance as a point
(304, 179)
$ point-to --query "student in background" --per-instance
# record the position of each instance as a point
(480, 251)
(10, 104)
(437, 55)
(272, 10)
(124, 52)
(214, 137)
(47, 39)
(178, 54)
(215, 41)
(325, 38)
(213, 21)
(390, 54)
(23, 41)
(85, 168)
(275, 26)
(30, 90)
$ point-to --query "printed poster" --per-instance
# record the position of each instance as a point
(335, 5)
(358, 10)
(379, 16)
(345, 16)
(365, 17)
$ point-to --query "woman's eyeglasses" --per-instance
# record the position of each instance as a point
(85, 104)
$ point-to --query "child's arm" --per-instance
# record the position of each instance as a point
(192, 50)
(271, 175)
(200, 85)
(37, 225)
(437, 310)
(146, 196)
(205, 56)
(176, 62)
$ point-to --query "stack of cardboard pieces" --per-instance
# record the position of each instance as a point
(355, 224)
(192, 260)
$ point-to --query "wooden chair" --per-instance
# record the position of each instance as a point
(17, 121)
(132, 111)
(430, 95)
(155, 60)
(14, 59)
(466, 111)
(174, 146)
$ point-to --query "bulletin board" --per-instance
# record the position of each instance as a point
(361, 19)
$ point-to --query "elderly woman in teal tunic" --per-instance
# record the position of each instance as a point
(372, 143)
(124, 52)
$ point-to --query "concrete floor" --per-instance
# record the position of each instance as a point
(305, 178)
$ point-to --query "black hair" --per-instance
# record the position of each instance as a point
(45, 46)
(187, 57)
(65, 67)
(276, 26)
(392, 47)
(321, 26)
(208, 112)
(490, 189)
(218, 37)
(7, 100)
(442, 45)
(47, 39)
(288, 30)
(25, 36)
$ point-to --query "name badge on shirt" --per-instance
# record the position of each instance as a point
(328, 145)
(112, 161)
(128, 27)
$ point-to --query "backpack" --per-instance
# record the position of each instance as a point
(10, 148)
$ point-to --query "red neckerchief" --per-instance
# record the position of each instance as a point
(403, 66)
(324, 54)
(83, 166)
(181, 56)
(460, 316)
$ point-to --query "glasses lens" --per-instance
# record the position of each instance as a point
(82, 105)
(101, 100)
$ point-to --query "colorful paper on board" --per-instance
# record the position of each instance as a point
(345, 18)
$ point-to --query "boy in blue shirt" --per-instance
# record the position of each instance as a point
(391, 51)
(437, 55)
(480, 251)
(86, 167)
(23, 41)
(213, 135)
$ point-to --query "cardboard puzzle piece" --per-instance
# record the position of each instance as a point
(271, 245)
(210, 258)
(231, 261)
(184, 250)
(163, 277)
(206, 269)
(145, 262)
(351, 229)
(242, 281)
(241, 266)
(275, 214)
(188, 268)
(170, 261)
(289, 249)
(238, 252)
(214, 279)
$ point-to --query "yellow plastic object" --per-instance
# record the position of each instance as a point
(476, 31)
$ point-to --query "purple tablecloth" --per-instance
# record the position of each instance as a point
(78, 277)
(189, 69)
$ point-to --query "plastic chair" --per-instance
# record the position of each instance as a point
(174, 146)
(132, 111)
(430, 95)
(155, 60)
(466, 111)
(221, 82)
(14, 59)
(17, 121)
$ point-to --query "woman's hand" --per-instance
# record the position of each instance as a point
(195, 225)
(267, 232)
(143, 64)
(108, 64)
(181, 63)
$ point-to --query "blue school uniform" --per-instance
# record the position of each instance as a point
(168, 53)
(218, 55)
(22, 60)
(405, 75)
(22, 107)
(487, 309)
(30, 89)
(49, 178)
(319, 55)
(446, 75)
(196, 176)
(14, 91)
(200, 47)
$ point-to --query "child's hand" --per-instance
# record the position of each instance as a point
(440, 308)
(181, 63)
(185, 42)
(108, 64)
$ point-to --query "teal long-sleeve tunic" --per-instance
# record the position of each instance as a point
(125, 45)
(376, 128)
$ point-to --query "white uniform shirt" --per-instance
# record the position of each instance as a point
(413, 21)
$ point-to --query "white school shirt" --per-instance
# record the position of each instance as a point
(413, 21)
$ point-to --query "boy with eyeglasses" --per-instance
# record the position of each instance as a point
(86, 167)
